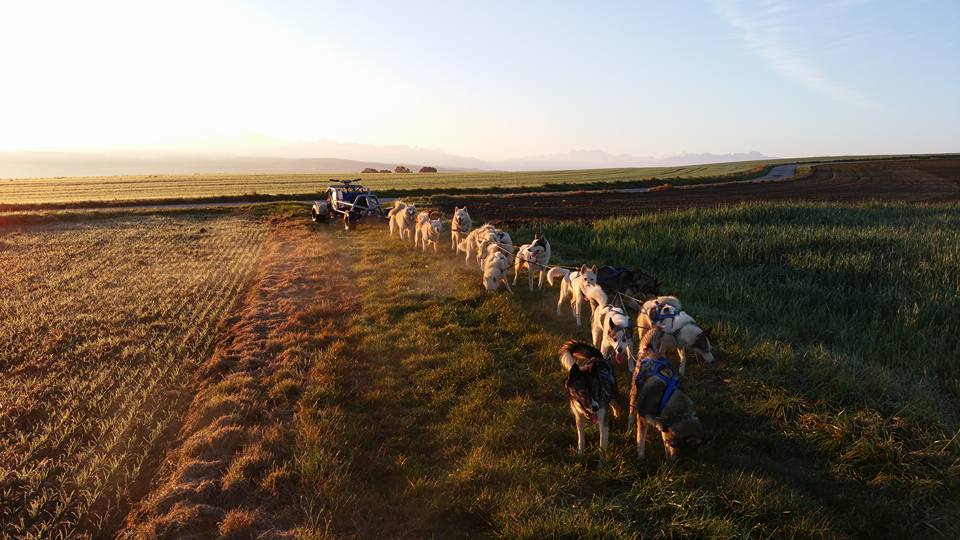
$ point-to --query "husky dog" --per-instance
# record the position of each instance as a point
(595, 297)
(680, 330)
(632, 283)
(422, 217)
(397, 207)
(460, 226)
(573, 285)
(474, 239)
(429, 232)
(656, 400)
(592, 388)
(495, 272)
(491, 249)
(612, 331)
(497, 238)
(403, 218)
(535, 254)
(463, 246)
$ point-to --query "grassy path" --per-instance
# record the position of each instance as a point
(440, 412)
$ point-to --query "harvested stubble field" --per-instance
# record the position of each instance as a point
(363, 389)
(103, 325)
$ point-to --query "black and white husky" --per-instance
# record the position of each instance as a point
(613, 332)
(534, 256)
(592, 388)
(680, 330)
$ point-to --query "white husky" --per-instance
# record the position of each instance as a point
(573, 285)
(473, 241)
(402, 217)
(460, 226)
(532, 256)
(422, 217)
(429, 232)
(500, 240)
(495, 272)
(680, 330)
(612, 330)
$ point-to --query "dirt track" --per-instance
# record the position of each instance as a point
(924, 180)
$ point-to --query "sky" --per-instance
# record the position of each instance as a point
(493, 80)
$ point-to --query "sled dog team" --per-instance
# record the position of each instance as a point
(655, 398)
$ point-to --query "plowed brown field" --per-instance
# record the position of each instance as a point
(921, 180)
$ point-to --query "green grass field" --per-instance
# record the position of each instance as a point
(833, 413)
(159, 187)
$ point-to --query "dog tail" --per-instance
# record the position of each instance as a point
(574, 350)
(556, 272)
(566, 358)
(397, 206)
(649, 342)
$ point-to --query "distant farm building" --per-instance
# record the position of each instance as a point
(368, 170)
(428, 169)
(402, 169)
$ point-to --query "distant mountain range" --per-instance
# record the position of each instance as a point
(54, 164)
(258, 154)
(598, 159)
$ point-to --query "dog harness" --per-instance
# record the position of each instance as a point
(659, 315)
(659, 366)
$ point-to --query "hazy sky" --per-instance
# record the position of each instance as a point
(487, 79)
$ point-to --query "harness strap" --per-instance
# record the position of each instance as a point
(671, 380)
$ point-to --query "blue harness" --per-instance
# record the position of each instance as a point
(660, 316)
(671, 380)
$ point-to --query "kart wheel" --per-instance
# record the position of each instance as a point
(349, 222)
(314, 215)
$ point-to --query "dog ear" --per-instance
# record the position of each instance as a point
(593, 269)
(583, 269)
(610, 324)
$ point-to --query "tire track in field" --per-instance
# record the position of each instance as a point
(430, 399)
(232, 469)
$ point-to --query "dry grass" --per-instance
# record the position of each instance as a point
(103, 326)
